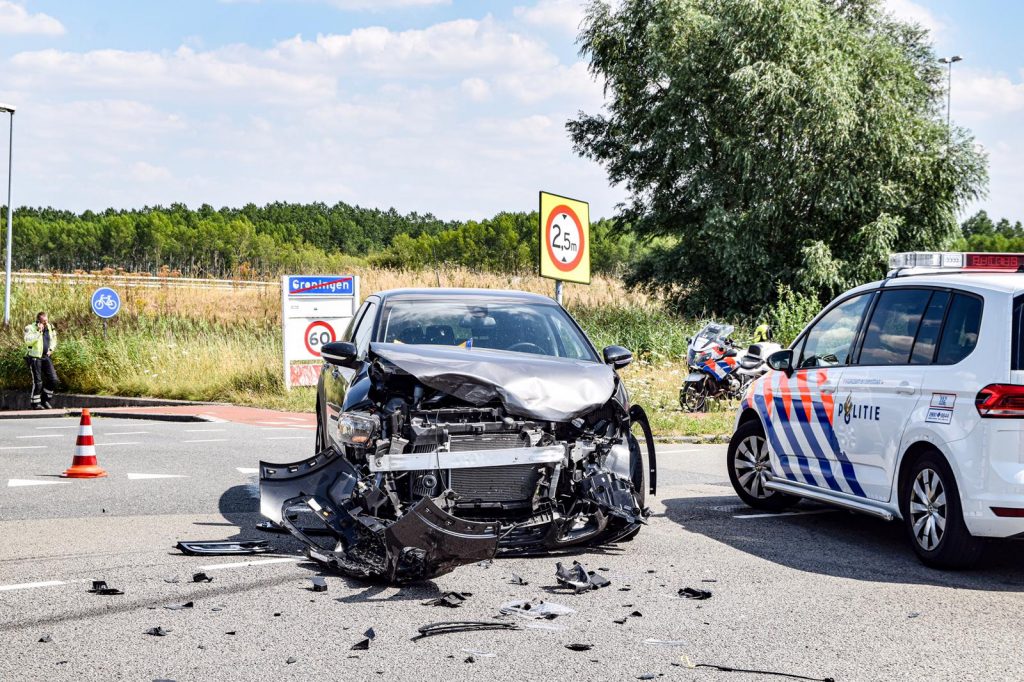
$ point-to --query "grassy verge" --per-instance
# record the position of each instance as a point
(225, 346)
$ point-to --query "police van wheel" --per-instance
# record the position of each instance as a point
(933, 518)
(749, 466)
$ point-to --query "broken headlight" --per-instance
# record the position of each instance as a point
(357, 429)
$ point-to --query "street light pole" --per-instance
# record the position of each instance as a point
(10, 214)
(949, 62)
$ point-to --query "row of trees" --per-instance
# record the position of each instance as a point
(261, 241)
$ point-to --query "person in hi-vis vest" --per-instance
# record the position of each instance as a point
(40, 341)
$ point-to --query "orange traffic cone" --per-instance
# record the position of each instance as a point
(84, 464)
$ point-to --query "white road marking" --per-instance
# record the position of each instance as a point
(243, 470)
(796, 513)
(70, 426)
(124, 433)
(205, 440)
(286, 437)
(123, 442)
(243, 564)
(21, 447)
(203, 430)
(29, 586)
(44, 435)
(21, 482)
(137, 477)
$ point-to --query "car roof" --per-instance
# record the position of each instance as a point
(442, 292)
(1003, 282)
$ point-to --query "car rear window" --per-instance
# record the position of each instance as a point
(960, 333)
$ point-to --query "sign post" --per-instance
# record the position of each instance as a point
(564, 240)
(105, 303)
(315, 309)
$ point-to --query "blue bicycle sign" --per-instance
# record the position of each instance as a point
(105, 302)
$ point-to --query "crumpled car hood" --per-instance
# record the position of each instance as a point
(534, 386)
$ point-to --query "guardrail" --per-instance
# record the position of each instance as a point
(147, 281)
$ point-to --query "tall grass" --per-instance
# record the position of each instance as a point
(225, 345)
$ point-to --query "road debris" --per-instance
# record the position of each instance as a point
(101, 587)
(178, 607)
(727, 669)
(201, 578)
(172, 581)
(45, 639)
(364, 644)
(319, 584)
(579, 647)
(158, 631)
(694, 593)
(480, 654)
(547, 610)
(450, 627)
(450, 599)
(518, 580)
(223, 547)
(578, 578)
(664, 642)
(291, 659)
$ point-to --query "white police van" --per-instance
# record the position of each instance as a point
(902, 399)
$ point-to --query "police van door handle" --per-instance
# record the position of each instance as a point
(906, 388)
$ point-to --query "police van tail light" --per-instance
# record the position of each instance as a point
(1001, 401)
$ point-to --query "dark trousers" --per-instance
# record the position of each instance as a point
(44, 379)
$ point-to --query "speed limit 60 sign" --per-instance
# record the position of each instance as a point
(564, 238)
(317, 334)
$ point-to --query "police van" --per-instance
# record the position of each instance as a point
(902, 399)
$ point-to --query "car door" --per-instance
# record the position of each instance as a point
(879, 391)
(801, 406)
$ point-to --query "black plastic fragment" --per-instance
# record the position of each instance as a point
(223, 547)
(578, 578)
(470, 659)
(449, 627)
(319, 584)
(361, 645)
(727, 669)
(179, 607)
(201, 578)
(158, 631)
(579, 647)
(231, 632)
(619, 621)
(647, 676)
(450, 599)
(45, 639)
(101, 587)
(291, 659)
(695, 594)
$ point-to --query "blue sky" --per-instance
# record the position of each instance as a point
(455, 108)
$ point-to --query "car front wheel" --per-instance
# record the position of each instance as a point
(749, 467)
(933, 518)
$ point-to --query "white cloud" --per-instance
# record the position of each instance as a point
(560, 15)
(476, 89)
(979, 95)
(908, 10)
(15, 19)
(384, 4)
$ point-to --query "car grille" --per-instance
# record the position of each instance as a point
(496, 484)
(490, 441)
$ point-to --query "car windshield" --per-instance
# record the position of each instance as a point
(517, 326)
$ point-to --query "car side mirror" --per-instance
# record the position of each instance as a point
(341, 353)
(617, 356)
(782, 361)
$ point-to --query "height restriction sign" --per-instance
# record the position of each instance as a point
(564, 238)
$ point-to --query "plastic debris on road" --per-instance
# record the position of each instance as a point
(694, 593)
(101, 587)
(158, 631)
(450, 599)
(547, 610)
(578, 578)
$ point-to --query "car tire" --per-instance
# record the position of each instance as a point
(749, 464)
(933, 516)
(321, 434)
(637, 469)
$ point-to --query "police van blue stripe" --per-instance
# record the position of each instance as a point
(844, 463)
(773, 439)
(787, 429)
(812, 441)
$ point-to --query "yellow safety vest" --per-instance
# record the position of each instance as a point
(34, 341)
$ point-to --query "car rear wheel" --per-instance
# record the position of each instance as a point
(749, 467)
(933, 518)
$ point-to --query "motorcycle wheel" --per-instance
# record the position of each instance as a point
(693, 396)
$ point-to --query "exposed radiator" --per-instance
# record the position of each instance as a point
(496, 484)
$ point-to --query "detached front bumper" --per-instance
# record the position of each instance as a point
(424, 542)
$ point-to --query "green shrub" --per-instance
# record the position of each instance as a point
(791, 314)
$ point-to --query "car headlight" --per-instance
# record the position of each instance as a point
(356, 428)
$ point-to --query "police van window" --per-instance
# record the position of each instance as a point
(960, 333)
(828, 342)
(890, 334)
(1017, 349)
(365, 329)
(928, 333)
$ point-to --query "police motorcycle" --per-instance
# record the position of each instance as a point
(719, 369)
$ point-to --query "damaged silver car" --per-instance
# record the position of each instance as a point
(454, 426)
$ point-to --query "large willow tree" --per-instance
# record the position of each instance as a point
(772, 141)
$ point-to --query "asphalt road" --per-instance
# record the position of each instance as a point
(817, 593)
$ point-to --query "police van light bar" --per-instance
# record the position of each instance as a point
(947, 260)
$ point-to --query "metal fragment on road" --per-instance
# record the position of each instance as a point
(223, 547)
(450, 627)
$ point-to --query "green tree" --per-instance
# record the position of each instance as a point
(772, 142)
